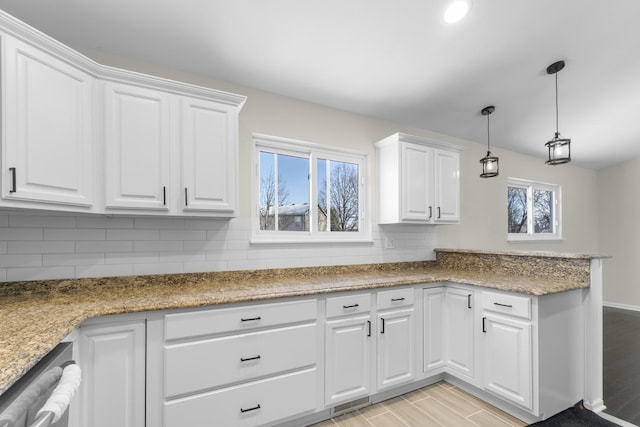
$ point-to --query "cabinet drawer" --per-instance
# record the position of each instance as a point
(217, 321)
(349, 304)
(395, 298)
(202, 365)
(252, 404)
(512, 305)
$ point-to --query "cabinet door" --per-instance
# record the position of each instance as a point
(508, 359)
(433, 307)
(209, 156)
(459, 331)
(137, 126)
(447, 186)
(347, 359)
(112, 358)
(396, 348)
(48, 142)
(416, 183)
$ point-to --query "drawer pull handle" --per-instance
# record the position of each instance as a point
(351, 306)
(242, 359)
(251, 319)
(503, 305)
(397, 299)
(249, 409)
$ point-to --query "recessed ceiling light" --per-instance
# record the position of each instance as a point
(457, 10)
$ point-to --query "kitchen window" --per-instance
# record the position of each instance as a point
(533, 210)
(305, 192)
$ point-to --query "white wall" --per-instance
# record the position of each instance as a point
(42, 246)
(619, 227)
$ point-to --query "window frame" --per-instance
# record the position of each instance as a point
(313, 152)
(530, 187)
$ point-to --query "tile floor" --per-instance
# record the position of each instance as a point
(440, 404)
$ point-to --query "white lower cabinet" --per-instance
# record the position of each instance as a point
(459, 332)
(248, 365)
(112, 358)
(433, 360)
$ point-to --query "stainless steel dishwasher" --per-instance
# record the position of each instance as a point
(49, 384)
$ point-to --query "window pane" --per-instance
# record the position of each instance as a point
(542, 211)
(322, 195)
(284, 192)
(342, 205)
(293, 188)
(267, 191)
(517, 209)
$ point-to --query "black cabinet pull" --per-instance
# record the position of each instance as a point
(382, 329)
(242, 359)
(369, 326)
(469, 301)
(13, 180)
(484, 329)
(186, 197)
(397, 299)
(438, 212)
(249, 409)
(503, 305)
(430, 212)
(351, 306)
(164, 196)
(250, 319)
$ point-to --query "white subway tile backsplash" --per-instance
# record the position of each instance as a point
(118, 234)
(74, 234)
(21, 233)
(36, 246)
(42, 273)
(40, 247)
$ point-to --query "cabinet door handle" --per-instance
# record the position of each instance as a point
(186, 197)
(397, 299)
(369, 326)
(469, 301)
(250, 319)
(503, 305)
(484, 329)
(430, 212)
(438, 212)
(164, 196)
(351, 306)
(242, 359)
(249, 409)
(13, 180)
(382, 329)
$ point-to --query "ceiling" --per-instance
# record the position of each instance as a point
(397, 59)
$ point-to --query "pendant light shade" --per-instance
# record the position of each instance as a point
(490, 166)
(559, 147)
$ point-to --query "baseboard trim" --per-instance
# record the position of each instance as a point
(622, 306)
(615, 420)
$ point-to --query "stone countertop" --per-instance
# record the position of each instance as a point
(539, 254)
(37, 315)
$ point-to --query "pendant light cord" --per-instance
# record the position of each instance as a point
(488, 135)
(557, 132)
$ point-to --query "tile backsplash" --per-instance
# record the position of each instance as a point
(37, 246)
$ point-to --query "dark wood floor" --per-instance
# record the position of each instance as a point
(622, 363)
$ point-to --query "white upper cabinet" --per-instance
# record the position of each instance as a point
(137, 144)
(418, 181)
(80, 136)
(47, 141)
(209, 156)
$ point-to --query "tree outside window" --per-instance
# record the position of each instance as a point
(533, 210)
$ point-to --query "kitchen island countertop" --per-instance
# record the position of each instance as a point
(37, 315)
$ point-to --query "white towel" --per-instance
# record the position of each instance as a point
(31, 394)
(63, 393)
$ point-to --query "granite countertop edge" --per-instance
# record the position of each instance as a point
(37, 321)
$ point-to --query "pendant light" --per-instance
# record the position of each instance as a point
(559, 147)
(489, 163)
